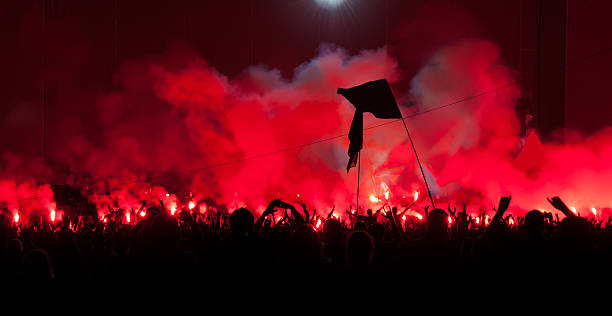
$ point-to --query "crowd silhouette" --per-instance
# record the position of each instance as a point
(286, 243)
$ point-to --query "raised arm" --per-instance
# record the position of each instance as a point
(504, 203)
(557, 203)
(269, 210)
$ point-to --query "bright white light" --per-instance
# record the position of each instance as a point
(330, 4)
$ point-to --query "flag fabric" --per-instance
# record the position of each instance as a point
(356, 139)
(374, 97)
(532, 154)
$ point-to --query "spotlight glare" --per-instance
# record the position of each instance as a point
(329, 4)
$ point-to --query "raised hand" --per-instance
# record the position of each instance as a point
(504, 203)
(308, 219)
(427, 210)
(296, 215)
(558, 204)
(272, 206)
(452, 211)
(269, 211)
(331, 213)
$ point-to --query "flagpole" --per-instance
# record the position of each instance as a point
(419, 162)
(358, 174)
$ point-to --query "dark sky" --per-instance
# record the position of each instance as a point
(85, 41)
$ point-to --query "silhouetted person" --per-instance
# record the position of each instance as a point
(382, 255)
(436, 228)
(241, 223)
(359, 251)
(166, 260)
(432, 252)
(306, 252)
(534, 225)
(13, 258)
(535, 252)
(334, 242)
(66, 256)
(241, 250)
(165, 235)
(37, 266)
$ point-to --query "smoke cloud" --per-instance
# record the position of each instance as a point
(176, 129)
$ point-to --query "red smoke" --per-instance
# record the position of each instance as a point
(176, 126)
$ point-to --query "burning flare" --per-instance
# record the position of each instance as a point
(374, 199)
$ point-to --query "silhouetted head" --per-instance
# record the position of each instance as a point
(165, 232)
(152, 212)
(534, 224)
(14, 248)
(359, 225)
(377, 231)
(37, 266)
(26, 235)
(369, 212)
(437, 223)
(332, 230)
(305, 242)
(241, 222)
(575, 229)
(66, 238)
(359, 249)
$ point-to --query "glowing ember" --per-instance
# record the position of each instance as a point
(478, 220)
(318, 224)
(202, 209)
(191, 205)
(416, 195)
(173, 209)
(450, 220)
(298, 195)
(594, 210)
(52, 215)
(16, 217)
(574, 210)
(387, 195)
(403, 218)
(167, 194)
(419, 216)
(127, 217)
(511, 221)
(143, 213)
(373, 199)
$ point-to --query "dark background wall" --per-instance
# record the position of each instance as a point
(75, 51)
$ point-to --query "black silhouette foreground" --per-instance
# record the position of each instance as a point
(285, 243)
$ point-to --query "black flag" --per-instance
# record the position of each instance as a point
(356, 139)
(374, 97)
